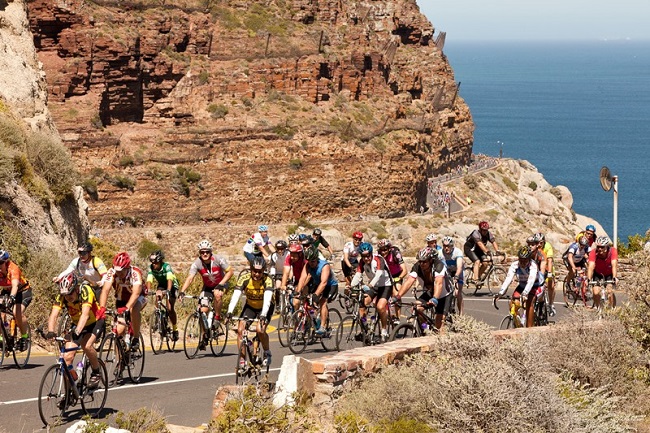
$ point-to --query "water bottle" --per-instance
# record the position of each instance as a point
(80, 368)
(210, 317)
(391, 310)
(317, 322)
(127, 340)
(522, 316)
(73, 374)
(12, 326)
(424, 326)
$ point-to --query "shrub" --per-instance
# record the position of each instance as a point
(470, 181)
(510, 184)
(146, 247)
(556, 192)
(532, 185)
(413, 223)
(53, 162)
(142, 420)
(105, 250)
(217, 111)
(90, 186)
(303, 222)
(295, 163)
(124, 182)
(126, 161)
(204, 77)
(11, 133)
(635, 244)
(379, 229)
(285, 132)
(39, 270)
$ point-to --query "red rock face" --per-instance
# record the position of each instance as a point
(284, 109)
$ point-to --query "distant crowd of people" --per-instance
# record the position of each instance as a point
(479, 162)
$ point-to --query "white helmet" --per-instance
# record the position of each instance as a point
(603, 241)
(447, 240)
(431, 237)
(204, 245)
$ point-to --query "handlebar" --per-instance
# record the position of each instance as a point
(497, 297)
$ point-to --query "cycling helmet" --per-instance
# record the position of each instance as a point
(4, 255)
(68, 283)
(582, 240)
(590, 228)
(426, 254)
(295, 248)
(525, 252)
(306, 241)
(384, 244)
(447, 240)
(204, 245)
(431, 237)
(258, 264)
(603, 241)
(281, 245)
(86, 247)
(157, 257)
(357, 235)
(311, 253)
(538, 237)
(262, 228)
(365, 248)
(121, 261)
(293, 238)
(317, 232)
(530, 240)
(483, 225)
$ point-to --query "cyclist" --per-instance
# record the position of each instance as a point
(127, 280)
(432, 241)
(549, 274)
(590, 233)
(81, 303)
(162, 272)
(215, 273)
(396, 266)
(319, 240)
(529, 280)
(602, 267)
(476, 249)
(453, 258)
(258, 245)
(379, 286)
(350, 260)
(293, 264)
(293, 239)
(576, 256)
(431, 270)
(14, 284)
(258, 288)
(324, 283)
(276, 271)
(87, 267)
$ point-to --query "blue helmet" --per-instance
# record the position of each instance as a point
(365, 248)
(4, 255)
(590, 228)
(262, 228)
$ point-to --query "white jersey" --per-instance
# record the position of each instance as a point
(255, 242)
(376, 273)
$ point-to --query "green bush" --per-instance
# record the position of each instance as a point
(379, 229)
(510, 184)
(124, 182)
(145, 248)
(142, 420)
(635, 244)
(39, 270)
(295, 163)
(532, 185)
(470, 181)
(126, 161)
(104, 249)
(217, 111)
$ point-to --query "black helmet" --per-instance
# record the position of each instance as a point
(85, 247)
(157, 257)
(311, 253)
(258, 264)
(318, 232)
(281, 245)
(525, 252)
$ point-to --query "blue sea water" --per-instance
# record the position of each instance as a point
(569, 108)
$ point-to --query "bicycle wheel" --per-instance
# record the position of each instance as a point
(65, 322)
(346, 303)
(3, 344)
(219, 338)
(52, 396)
(403, 331)
(135, 364)
(21, 357)
(192, 335)
(495, 279)
(94, 399)
(156, 332)
(283, 328)
(328, 340)
(241, 373)
(110, 353)
(569, 292)
(300, 324)
(169, 337)
(541, 314)
(507, 323)
(350, 334)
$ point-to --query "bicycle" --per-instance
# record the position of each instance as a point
(253, 361)
(516, 318)
(11, 336)
(577, 288)
(492, 278)
(285, 311)
(417, 324)
(160, 329)
(118, 356)
(354, 331)
(302, 329)
(199, 333)
(60, 391)
(453, 312)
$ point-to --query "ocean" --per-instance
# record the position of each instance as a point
(569, 108)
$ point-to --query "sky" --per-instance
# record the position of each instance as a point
(539, 20)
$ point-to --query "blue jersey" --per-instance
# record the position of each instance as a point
(316, 274)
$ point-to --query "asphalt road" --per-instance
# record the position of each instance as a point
(183, 389)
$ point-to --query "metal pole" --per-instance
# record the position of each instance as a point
(615, 185)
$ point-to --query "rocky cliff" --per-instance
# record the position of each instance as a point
(249, 110)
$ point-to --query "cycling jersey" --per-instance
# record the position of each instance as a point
(255, 242)
(92, 271)
(278, 262)
(124, 285)
(86, 297)
(476, 237)
(212, 272)
(321, 241)
(254, 290)
(353, 252)
(428, 279)
(316, 275)
(394, 261)
(296, 267)
(603, 266)
(579, 252)
(376, 273)
(162, 276)
(451, 260)
(527, 277)
(13, 272)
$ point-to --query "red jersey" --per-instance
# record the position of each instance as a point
(13, 272)
(603, 265)
(296, 267)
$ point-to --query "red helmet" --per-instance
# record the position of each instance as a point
(483, 225)
(295, 248)
(121, 261)
(357, 235)
(68, 284)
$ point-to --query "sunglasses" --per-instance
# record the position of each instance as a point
(205, 252)
(83, 253)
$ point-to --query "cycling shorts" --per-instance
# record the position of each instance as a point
(381, 292)
(92, 329)
(22, 297)
(253, 313)
(444, 304)
(581, 264)
(141, 302)
(538, 291)
(599, 278)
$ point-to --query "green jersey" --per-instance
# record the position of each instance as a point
(162, 275)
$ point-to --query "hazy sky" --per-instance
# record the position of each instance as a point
(537, 20)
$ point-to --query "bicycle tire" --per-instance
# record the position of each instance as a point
(241, 373)
(94, 400)
(3, 344)
(156, 333)
(299, 328)
(507, 323)
(328, 341)
(219, 338)
(403, 331)
(52, 396)
(569, 292)
(541, 314)
(283, 328)
(65, 322)
(111, 354)
(169, 338)
(347, 303)
(135, 366)
(192, 335)
(350, 334)
(21, 357)
(495, 278)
